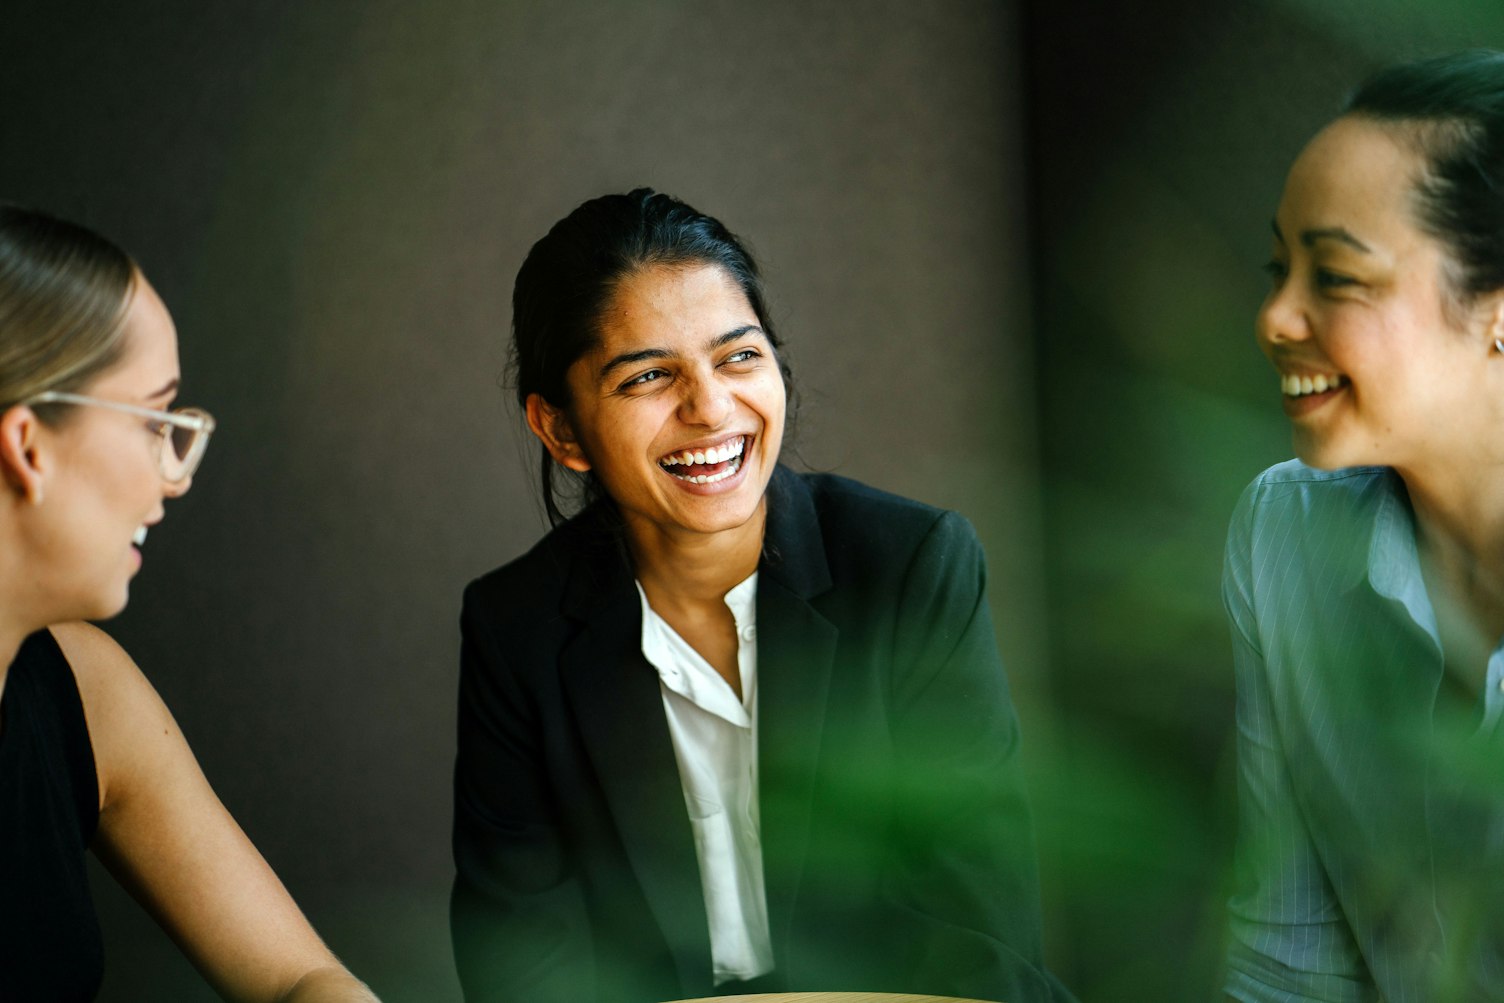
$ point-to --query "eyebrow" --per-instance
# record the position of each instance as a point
(170, 388)
(628, 358)
(1309, 237)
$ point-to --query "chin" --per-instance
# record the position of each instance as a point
(728, 512)
(722, 521)
(1329, 455)
(107, 611)
(110, 605)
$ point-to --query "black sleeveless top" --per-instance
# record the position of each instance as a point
(50, 945)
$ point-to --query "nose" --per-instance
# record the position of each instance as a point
(705, 402)
(176, 489)
(1281, 318)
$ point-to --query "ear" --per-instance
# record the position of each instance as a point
(22, 463)
(551, 425)
(1495, 318)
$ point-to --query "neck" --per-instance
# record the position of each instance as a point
(10, 643)
(24, 607)
(682, 569)
(17, 619)
(1460, 524)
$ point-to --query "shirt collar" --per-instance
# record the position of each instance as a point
(742, 601)
(684, 670)
(1393, 558)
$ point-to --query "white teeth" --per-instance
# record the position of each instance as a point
(1292, 385)
(140, 536)
(715, 454)
(735, 465)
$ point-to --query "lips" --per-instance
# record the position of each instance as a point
(1304, 384)
(708, 463)
(1306, 392)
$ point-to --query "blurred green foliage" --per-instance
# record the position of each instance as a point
(1159, 141)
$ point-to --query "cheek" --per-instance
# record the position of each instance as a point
(777, 403)
(613, 439)
(129, 479)
(1351, 340)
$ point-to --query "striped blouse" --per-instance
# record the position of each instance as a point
(1371, 798)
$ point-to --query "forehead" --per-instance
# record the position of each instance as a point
(1356, 174)
(150, 357)
(663, 303)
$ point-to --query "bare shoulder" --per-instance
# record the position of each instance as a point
(90, 650)
(127, 720)
(108, 680)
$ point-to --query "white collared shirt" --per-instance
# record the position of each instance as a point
(715, 743)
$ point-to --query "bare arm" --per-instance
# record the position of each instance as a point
(167, 838)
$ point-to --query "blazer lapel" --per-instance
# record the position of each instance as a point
(616, 700)
(615, 696)
(795, 649)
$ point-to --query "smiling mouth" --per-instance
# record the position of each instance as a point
(1297, 385)
(706, 466)
(139, 537)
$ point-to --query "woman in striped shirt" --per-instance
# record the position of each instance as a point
(1365, 580)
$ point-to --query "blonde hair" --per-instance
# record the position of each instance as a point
(64, 291)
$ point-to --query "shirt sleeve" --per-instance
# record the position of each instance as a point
(967, 869)
(1288, 937)
(517, 913)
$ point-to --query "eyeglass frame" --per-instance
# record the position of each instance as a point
(196, 420)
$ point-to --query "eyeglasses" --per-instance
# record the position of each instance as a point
(184, 432)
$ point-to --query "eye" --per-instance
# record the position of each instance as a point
(1332, 280)
(1277, 271)
(742, 355)
(643, 379)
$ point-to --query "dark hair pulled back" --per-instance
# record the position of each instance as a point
(1456, 103)
(568, 277)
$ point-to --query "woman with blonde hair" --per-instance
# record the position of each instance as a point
(90, 450)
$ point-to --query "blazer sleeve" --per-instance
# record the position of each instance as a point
(1288, 936)
(517, 913)
(966, 869)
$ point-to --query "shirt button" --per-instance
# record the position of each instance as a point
(749, 633)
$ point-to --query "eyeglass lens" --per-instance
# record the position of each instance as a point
(182, 442)
(183, 447)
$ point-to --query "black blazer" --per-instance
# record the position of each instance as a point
(898, 854)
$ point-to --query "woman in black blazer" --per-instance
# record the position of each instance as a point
(729, 728)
